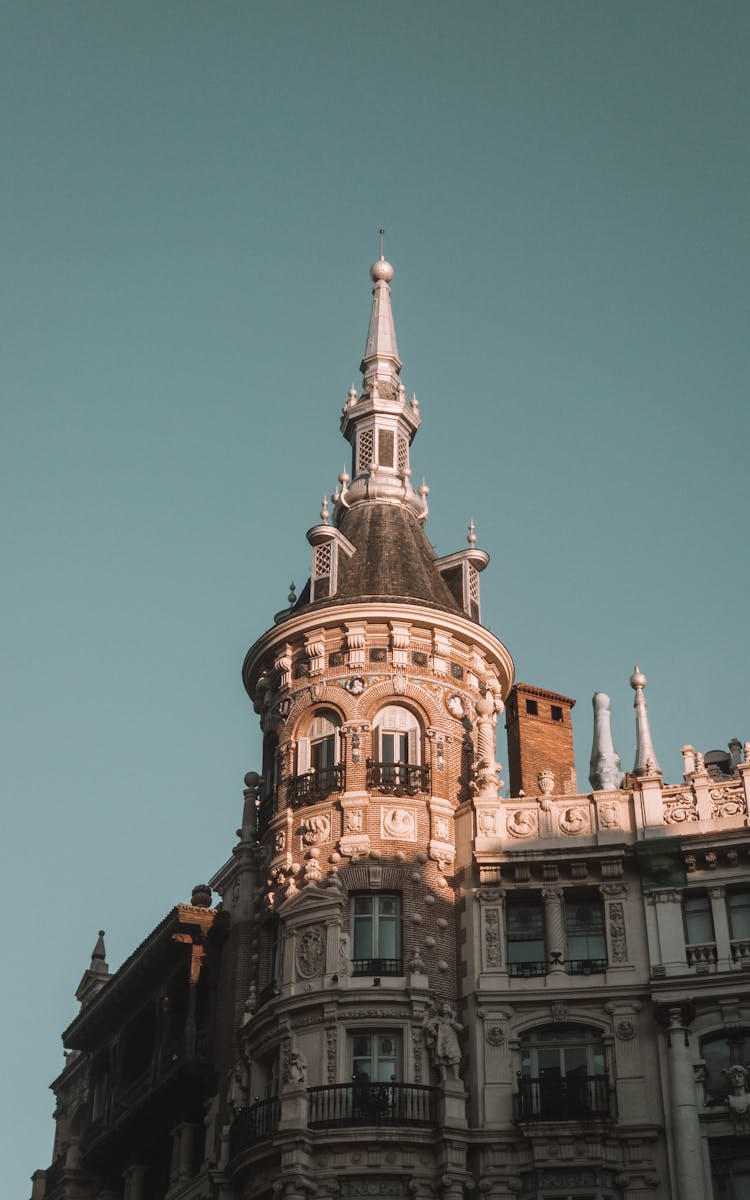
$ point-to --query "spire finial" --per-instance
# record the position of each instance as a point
(471, 536)
(382, 235)
(324, 512)
(605, 773)
(646, 762)
(292, 597)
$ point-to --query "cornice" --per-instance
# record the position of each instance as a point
(328, 618)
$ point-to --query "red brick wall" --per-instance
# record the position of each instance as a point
(538, 742)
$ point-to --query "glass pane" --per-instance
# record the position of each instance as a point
(388, 938)
(363, 936)
(323, 753)
(699, 926)
(739, 914)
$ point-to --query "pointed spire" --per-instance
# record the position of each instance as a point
(605, 773)
(381, 360)
(96, 975)
(646, 762)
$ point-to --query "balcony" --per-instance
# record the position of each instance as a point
(398, 779)
(571, 1098)
(340, 1104)
(377, 966)
(702, 956)
(527, 970)
(740, 948)
(315, 785)
(585, 966)
(253, 1123)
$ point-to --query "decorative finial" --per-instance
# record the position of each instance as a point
(98, 953)
(472, 537)
(382, 235)
(292, 597)
(414, 402)
(646, 762)
(324, 512)
(605, 770)
(352, 395)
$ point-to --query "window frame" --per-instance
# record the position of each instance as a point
(375, 963)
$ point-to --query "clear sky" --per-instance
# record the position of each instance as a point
(190, 204)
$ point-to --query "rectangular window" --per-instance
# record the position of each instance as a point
(532, 708)
(385, 447)
(586, 945)
(376, 1057)
(738, 904)
(376, 941)
(699, 924)
(526, 949)
(556, 712)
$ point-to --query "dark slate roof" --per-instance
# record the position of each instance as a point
(394, 561)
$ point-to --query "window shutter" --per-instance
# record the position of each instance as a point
(303, 755)
(413, 746)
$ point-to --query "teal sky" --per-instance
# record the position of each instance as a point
(190, 204)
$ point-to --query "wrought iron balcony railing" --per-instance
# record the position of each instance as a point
(525, 970)
(398, 779)
(377, 966)
(315, 785)
(340, 1104)
(573, 1098)
(585, 966)
(254, 1122)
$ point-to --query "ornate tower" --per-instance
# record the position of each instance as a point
(377, 692)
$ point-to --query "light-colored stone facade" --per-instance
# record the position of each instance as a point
(414, 986)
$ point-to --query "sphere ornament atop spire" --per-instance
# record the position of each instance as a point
(637, 679)
(381, 270)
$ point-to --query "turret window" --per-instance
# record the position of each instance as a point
(365, 446)
(396, 767)
(319, 770)
(376, 928)
(385, 447)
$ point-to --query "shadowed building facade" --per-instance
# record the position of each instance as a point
(404, 983)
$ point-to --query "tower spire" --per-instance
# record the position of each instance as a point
(380, 423)
(645, 756)
(605, 771)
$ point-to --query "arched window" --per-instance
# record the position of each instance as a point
(396, 766)
(563, 1075)
(319, 771)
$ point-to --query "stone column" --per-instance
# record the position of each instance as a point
(554, 929)
(669, 929)
(135, 1183)
(686, 1132)
(721, 927)
(187, 1139)
(174, 1161)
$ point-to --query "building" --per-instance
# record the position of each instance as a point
(413, 986)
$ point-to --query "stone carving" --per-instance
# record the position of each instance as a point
(492, 945)
(625, 1030)
(442, 828)
(546, 781)
(739, 1098)
(399, 823)
(331, 1054)
(487, 821)
(495, 1035)
(353, 822)
(316, 830)
(727, 801)
(441, 1031)
(559, 1011)
(237, 1089)
(523, 823)
(310, 951)
(617, 932)
(574, 820)
(680, 808)
(297, 1070)
(609, 814)
(345, 962)
(356, 685)
(280, 841)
